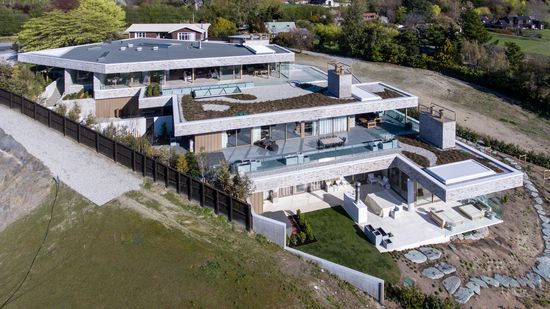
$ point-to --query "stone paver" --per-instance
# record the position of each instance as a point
(88, 173)
(479, 282)
(431, 253)
(446, 268)
(490, 281)
(474, 287)
(463, 295)
(451, 284)
(432, 273)
(416, 257)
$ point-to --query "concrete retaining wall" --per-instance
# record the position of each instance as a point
(271, 229)
(372, 285)
(136, 126)
(87, 106)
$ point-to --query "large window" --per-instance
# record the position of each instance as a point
(310, 128)
(139, 35)
(398, 181)
(121, 80)
(186, 36)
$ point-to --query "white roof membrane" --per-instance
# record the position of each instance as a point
(459, 171)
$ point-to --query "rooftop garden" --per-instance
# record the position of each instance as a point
(388, 94)
(341, 241)
(443, 156)
(194, 109)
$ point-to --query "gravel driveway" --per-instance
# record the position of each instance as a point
(90, 174)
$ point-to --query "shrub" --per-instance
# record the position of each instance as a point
(74, 113)
(153, 90)
(302, 237)
(293, 240)
(82, 94)
(61, 109)
(309, 231)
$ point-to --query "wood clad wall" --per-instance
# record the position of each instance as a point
(257, 202)
(106, 107)
(208, 142)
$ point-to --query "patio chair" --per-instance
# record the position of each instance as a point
(371, 178)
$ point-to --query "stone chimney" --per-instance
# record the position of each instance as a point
(438, 126)
(340, 80)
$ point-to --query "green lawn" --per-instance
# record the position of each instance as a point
(113, 257)
(527, 44)
(339, 240)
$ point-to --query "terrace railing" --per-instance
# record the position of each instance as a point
(207, 196)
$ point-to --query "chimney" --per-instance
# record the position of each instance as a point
(340, 80)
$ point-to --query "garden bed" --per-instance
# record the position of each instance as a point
(193, 109)
(302, 233)
(416, 158)
(446, 156)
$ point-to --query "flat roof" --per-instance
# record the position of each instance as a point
(152, 54)
(167, 50)
(459, 171)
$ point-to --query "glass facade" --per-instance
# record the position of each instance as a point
(398, 181)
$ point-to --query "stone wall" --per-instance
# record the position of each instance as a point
(437, 132)
(339, 84)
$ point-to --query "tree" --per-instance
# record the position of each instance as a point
(10, 21)
(241, 187)
(20, 80)
(447, 56)
(473, 29)
(328, 34)
(223, 177)
(192, 165)
(93, 21)
(352, 29)
(222, 28)
(300, 39)
(514, 55)
(181, 164)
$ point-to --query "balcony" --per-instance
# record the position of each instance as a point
(295, 153)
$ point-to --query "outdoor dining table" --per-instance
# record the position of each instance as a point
(331, 141)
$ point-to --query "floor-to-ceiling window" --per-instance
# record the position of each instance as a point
(398, 181)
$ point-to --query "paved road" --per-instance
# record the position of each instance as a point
(90, 174)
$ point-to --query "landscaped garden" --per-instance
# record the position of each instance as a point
(341, 241)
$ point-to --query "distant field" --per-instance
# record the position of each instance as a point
(527, 44)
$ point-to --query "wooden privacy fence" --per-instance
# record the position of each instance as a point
(204, 194)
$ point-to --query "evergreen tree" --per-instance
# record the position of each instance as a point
(473, 29)
(352, 28)
(192, 165)
(514, 55)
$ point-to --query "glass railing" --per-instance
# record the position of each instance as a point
(295, 161)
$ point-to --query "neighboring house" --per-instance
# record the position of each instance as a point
(330, 3)
(301, 135)
(277, 27)
(370, 16)
(514, 22)
(183, 32)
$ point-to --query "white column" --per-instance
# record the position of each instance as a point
(410, 194)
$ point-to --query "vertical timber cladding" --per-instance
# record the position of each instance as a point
(208, 142)
(107, 108)
(257, 202)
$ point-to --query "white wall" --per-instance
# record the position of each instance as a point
(87, 106)
(136, 126)
(273, 230)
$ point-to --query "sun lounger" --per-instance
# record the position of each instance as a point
(471, 212)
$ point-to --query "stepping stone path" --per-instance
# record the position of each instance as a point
(451, 284)
(479, 282)
(533, 279)
(416, 257)
(430, 253)
(474, 287)
(433, 273)
(463, 295)
(490, 281)
(445, 268)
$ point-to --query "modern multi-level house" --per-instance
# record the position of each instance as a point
(304, 136)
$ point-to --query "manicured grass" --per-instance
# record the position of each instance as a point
(114, 257)
(527, 44)
(339, 240)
